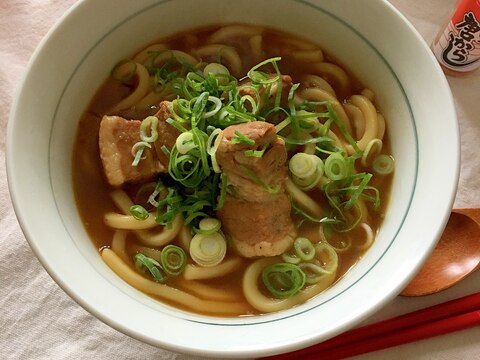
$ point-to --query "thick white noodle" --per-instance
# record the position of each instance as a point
(220, 51)
(340, 79)
(181, 56)
(233, 31)
(303, 200)
(143, 87)
(163, 237)
(256, 44)
(369, 237)
(167, 292)
(206, 291)
(123, 202)
(194, 272)
(146, 55)
(381, 126)
(266, 304)
(118, 244)
(357, 119)
(371, 120)
(308, 55)
(315, 81)
(128, 222)
(317, 94)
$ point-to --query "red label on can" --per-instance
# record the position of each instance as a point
(458, 46)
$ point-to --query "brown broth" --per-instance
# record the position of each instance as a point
(92, 190)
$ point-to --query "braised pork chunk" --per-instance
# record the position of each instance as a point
(256, 213)
(117, 136)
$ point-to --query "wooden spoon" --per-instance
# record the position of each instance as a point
(457, 255)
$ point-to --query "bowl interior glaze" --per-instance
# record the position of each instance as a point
(369, 37)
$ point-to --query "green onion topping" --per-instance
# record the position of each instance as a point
(153, 266)
(139, 212)
(174, 260)
(283, 280)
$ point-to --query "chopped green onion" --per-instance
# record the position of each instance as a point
(213, 143)
(152, 123)
(185, 142)
(137, 151)
(323, 220)
(223, 192)
(283, 280)
(153, 266)
(256, 153)
(124, 71)
(208, 226)
(173, 259)
(239, 138)
(340, 242)
(219, 71)
(383, 164)
(326, 256)
(322, 140)
(358, 190)
(308, 120)
(256, 180)
(139, 212)
(291, 257)
(313, 272)
(341, 127)
(259, 77)
(336, 167)
(176, 125)
(304, 248)
(306, 170)
(208, 250)
(218, 105)
(373, 148)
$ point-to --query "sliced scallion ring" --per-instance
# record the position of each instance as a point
(218, 105)
(152, 123)
(326, 256)
(174, 260)
(185, 142)
(139, 212)
(291, 257)
(124, 71)
(383, 164)
(336, 166)
(283, 280)
(208, 250)
(304, 248)
(153, 266)
(220, 72)
(208, 226)
(373, 148)
(313, 272)
(306, 170)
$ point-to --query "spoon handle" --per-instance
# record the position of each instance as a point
(473, 213)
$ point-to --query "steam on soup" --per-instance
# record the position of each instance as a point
(232, 170)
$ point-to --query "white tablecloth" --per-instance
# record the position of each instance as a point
(39, 321)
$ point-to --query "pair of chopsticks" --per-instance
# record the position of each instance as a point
(436, 320)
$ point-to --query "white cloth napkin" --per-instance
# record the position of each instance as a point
(39, 321)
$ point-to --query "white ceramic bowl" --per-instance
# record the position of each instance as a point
(369, 36)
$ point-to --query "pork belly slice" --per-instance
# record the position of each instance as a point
(257, 220)
(116, 138)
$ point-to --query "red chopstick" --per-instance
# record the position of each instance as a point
(436, 320)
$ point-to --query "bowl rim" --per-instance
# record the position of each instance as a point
(58, 278)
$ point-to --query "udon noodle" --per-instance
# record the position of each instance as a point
(232, 170)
